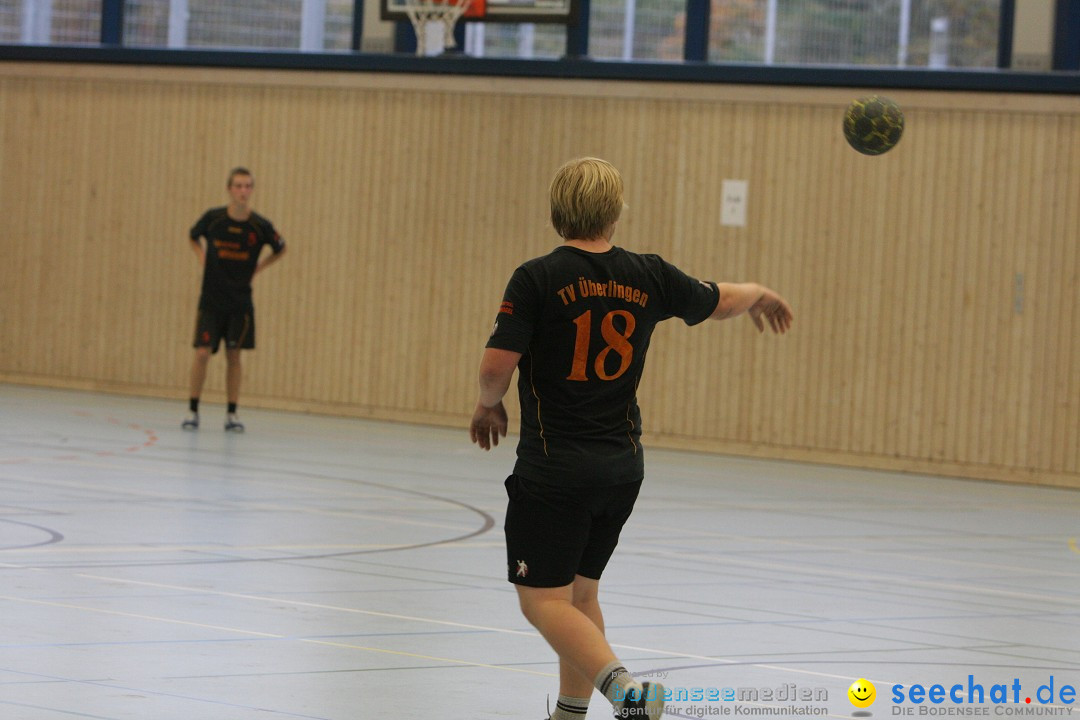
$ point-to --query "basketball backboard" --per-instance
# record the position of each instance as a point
(505, 11)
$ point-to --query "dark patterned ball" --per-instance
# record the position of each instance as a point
(873, 124)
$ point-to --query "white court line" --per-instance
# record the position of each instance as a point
(804, 545)
(257, 633)
(847, 575)
(450, 623)
(51, 603)
(711, 659)
(431, 503)
(55, 550)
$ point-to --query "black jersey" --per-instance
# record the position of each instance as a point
(232, 252)
(582, 322)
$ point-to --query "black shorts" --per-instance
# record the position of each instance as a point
(236, 328)
(554, 533)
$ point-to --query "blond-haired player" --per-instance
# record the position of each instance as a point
(576, 325)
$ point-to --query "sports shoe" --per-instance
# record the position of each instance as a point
(233, 424)
(648, 705)
(191, 422)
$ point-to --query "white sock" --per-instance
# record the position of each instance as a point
(614, 681)
(570, 708)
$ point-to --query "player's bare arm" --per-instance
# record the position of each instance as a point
(756, 300)
(774, 309)
(269, 260)
(200, 252)
(489, 419)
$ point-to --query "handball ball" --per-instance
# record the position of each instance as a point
(873, 124)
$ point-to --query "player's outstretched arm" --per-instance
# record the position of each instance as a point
(489, 419)
(756, 300)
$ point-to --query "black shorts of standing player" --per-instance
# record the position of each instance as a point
(236, 328)
(554, 533)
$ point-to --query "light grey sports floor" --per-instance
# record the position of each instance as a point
(339, 569)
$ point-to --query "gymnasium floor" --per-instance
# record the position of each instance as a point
(336, 569)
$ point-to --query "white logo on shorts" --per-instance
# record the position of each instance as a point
(523, 569)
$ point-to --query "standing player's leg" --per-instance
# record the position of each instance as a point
(208, 330)
(198, 378)
(233, 375)
(240, 335)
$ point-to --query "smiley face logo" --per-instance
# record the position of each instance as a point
(862, 693)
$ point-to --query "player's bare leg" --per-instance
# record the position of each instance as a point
(233, 374)
(198, 379)
(575, 690)
(198, 371)
(582, 647)
(584, 598)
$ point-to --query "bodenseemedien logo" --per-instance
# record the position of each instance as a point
(784, 702)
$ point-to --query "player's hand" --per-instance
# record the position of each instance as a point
(774, 309)
(488, 423)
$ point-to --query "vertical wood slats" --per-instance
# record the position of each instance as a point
(407, 204)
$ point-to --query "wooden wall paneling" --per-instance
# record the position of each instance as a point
(792, 274)
(960, 242)
(1063, 451)
(1030, 248)
(368, 189)
(1059, 294)
(999, 302)
(408, 201)
(881, 275)
(979, 283)
(913, 310)
(1023, 256)
(1043, 272)
(970, 188)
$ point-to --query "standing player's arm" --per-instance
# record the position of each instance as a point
(265, 262)
(757, 300)
(489, 419)
(197, 248)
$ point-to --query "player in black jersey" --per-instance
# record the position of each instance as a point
(576, 325)
(235, 236)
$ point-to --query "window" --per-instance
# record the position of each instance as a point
(887, 33)
(517, 40)
(59, 22)
(917, 33)
(317, 25)
(637, 29)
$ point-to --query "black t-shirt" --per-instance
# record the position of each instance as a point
(232, 252)
(582, 322)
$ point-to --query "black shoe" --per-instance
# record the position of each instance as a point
(648, 705)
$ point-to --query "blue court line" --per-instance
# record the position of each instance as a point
(208, 641)
(111, 686)
(120, 643)
(818, 621)
(57, 710)
(918, 663)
